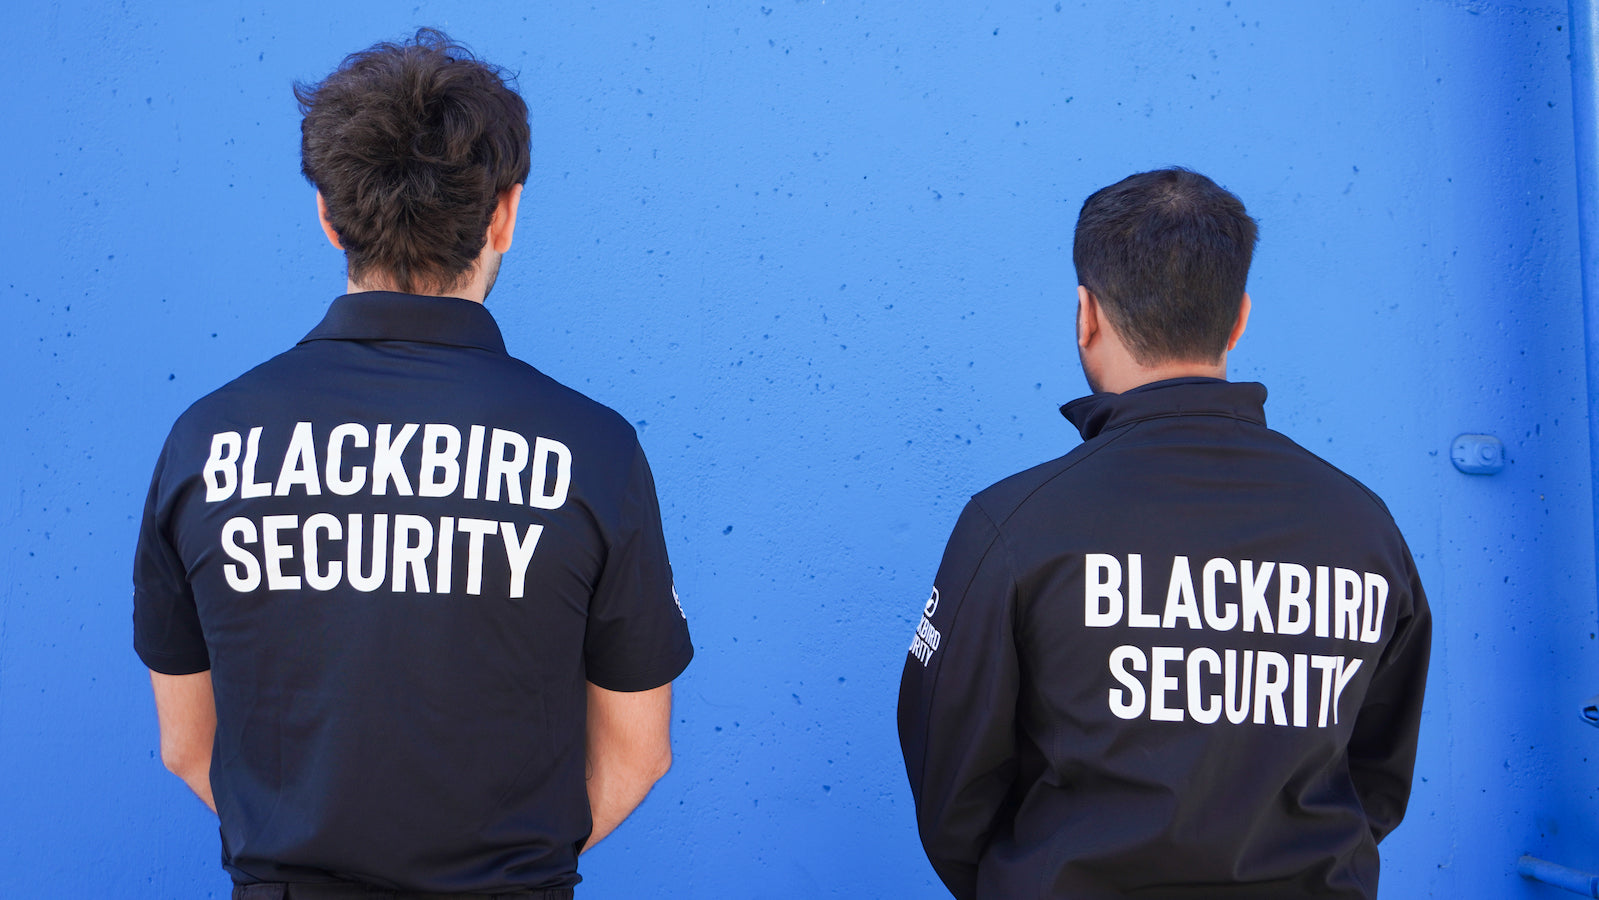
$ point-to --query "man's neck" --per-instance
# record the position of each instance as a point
(472, 289)
(1122, 379)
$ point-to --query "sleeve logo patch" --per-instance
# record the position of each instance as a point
(927, 637)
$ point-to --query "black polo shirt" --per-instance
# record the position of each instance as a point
(401, 553)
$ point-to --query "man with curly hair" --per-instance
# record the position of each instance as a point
(405, 599)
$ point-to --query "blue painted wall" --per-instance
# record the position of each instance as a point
(819, 252)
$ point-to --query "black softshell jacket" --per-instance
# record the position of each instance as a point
(1185, 660)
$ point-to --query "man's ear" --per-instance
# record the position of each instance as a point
(327, 227)
(1087, 317)
(503, 225)
(1238, 327)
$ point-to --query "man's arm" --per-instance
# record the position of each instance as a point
(957, 704)
(187, 712)
(629, 749)
(1382, 750)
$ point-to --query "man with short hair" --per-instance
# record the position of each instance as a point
(405, 600)
(1185, 660)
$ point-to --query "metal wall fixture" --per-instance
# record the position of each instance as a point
(1478, 454)
(1542, 870)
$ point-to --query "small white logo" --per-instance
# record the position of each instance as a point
(679, 603)
(927, 637)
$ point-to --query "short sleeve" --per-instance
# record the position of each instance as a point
(166, 625)
(637, 636)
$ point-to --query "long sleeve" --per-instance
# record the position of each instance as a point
(1382, 750)
(957, 703)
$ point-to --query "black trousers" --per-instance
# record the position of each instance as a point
(330, 890)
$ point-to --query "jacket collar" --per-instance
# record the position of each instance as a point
(389, 316)
(1098, 413)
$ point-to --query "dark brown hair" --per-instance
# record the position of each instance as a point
(411, 146)
(1167, 255)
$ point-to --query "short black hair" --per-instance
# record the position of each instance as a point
(411, 145)
(1166, 253)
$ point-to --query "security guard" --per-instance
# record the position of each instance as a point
(405, 599)
(1185, 660)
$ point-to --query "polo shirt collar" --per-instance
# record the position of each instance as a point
(1098, 413)
(391, 316)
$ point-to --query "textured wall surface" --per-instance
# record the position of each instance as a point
(819, 253)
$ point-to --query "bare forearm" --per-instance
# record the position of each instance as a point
(186, 708)
(198, 778)
(629, 749)
(616, 788)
